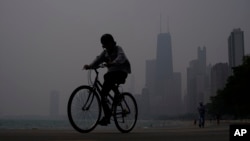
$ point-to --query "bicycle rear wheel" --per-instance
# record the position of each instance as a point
(125, 113)
(84, 109)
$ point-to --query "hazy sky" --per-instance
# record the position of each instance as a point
(45, 43)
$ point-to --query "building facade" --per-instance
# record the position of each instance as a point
(197, 81)
(163, 86)
(219, 76)
(235, 48)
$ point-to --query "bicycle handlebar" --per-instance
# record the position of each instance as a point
(101, 66)
(95, 68)
(96, 71)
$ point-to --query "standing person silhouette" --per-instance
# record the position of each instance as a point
(201, 110)
(118, 69)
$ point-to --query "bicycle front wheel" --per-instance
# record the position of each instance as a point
(84, 109)
(125, 113)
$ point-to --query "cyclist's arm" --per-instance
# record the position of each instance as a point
(99, 59)
(121, 57)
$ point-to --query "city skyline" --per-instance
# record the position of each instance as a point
(203, 80)
(44, 50)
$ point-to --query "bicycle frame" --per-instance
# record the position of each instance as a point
(97, 88)
(97, 84)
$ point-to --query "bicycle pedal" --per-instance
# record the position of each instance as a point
(125, 111)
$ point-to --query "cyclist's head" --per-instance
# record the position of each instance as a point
(107, 41)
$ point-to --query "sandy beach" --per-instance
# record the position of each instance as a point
(216, 133)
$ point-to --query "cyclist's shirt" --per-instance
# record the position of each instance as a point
(117, 57)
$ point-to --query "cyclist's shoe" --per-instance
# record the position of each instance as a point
(104, 121)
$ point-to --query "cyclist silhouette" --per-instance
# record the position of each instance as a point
(118, 69)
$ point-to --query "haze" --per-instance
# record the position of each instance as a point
(44, 44)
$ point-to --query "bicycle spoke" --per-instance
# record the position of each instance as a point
(84, 109)
(126, 113)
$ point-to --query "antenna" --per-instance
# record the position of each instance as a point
(168, 24)
(160, 22)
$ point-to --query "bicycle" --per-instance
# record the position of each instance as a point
(85, 108)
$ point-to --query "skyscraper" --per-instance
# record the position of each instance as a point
(168, 83)
(197, 81)
(150, 76)
(219, 76)
(202, 59)
(163, 86)
(236, 48)
(164, 62)
(164, 57)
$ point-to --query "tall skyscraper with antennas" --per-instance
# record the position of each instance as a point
(164, 61)
(168, 83)
(162, 84)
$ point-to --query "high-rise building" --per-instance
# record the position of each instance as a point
(176, 98)
(164, 60)
(235, 48)
(163, 85)
(197, 81)
(54, 104)
(191, 97)
(150, 76)
(163, 72)
(219, 76)
(162, 90)
(202, 60)
(165, 90)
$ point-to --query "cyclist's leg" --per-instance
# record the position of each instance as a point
(110, 79)
(106, 88)
(119, 77)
